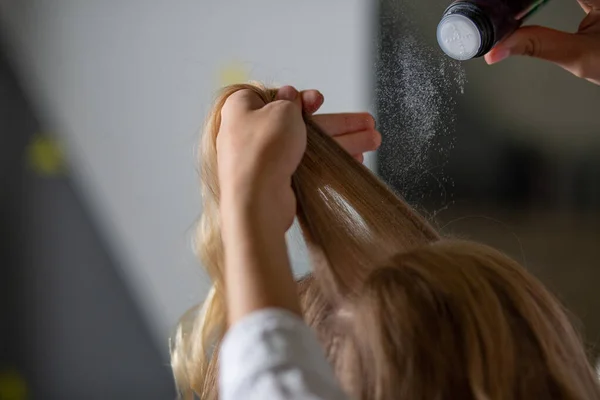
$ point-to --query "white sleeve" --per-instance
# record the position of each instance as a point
(271, 355)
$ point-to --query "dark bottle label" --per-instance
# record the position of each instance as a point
(527, 12)
(510, 9)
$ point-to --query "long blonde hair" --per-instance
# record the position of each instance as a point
(400, 312)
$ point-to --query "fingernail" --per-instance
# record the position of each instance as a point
(287, 93)
(373, 120)
(499, 55)
(318, 102)
(320, 99)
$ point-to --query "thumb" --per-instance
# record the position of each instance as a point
(547, 44)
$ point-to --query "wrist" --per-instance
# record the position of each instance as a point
(241, 203)
(242, 190)
(244, 210)
(270, 205)
(257, 268)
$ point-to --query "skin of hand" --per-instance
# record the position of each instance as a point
(355, 132)
(578, 53)
(258, 149)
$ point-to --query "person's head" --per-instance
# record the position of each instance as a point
(401, 312)
(455, 320)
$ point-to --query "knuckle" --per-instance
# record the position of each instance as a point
(533, 46)
(242, 99)
(282, 111)
(237, 96)
(284, 107)
(227, 106)
(233, 101)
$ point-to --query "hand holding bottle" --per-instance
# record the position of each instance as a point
(578, 53)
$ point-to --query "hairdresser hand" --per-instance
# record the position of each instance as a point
(355, 132)
(259, 147)
(578, 53)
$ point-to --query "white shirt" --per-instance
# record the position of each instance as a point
(273, 354)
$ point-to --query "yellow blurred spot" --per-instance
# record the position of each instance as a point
(45, 156)
(233, 73)
(12, 386)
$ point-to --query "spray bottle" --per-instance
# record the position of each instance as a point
(471, 28)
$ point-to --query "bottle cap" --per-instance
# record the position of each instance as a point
(459, 37)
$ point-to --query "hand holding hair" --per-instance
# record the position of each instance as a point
(354, 132)
(578, 53)
(259, 146)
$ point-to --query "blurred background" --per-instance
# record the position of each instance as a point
(100, 109)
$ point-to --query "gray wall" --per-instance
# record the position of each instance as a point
(68, 324)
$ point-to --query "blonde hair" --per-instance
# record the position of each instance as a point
(400, 312)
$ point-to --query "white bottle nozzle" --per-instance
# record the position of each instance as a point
(459, 37)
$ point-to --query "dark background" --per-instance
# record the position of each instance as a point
(515, 162)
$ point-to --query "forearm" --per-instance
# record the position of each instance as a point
(257, 267)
